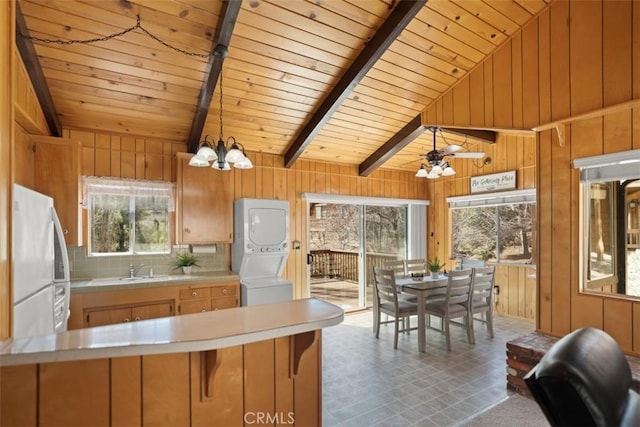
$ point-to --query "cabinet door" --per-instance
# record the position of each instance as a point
(152, 311)
(205, 204)
(108, 316)
(226, 302)
(195, 306)
(57, 174)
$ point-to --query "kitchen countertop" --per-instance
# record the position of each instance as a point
(101, 285)
(194, 332)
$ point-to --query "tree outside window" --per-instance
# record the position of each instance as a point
(501, 233)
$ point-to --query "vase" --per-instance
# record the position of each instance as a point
(186, 269)
(435, 274)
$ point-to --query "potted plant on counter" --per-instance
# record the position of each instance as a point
(185, 260)
(434, 265)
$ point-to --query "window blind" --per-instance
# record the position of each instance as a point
(609, 167)
(493, 199)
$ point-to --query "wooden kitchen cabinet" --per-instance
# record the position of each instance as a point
(89, 309)
(204, 211)
(131, 313)
(57, 174)
(211, 297)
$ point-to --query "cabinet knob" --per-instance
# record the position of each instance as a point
(225, 291)
(194, 294)
(137, 318)
(65, 231)
(187, 230)
(126, 319)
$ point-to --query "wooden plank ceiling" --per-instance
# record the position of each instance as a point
(284, 59)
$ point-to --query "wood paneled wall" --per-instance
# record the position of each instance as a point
(131, 157)
(574, 58)
(508, 153)
(7, 57)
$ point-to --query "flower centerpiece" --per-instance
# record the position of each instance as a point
(434, 265)
(185, 260)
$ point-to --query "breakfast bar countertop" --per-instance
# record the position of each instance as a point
(194, 332)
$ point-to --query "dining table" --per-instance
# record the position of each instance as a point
(423, 288)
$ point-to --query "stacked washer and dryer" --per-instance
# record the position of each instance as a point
(260, 250)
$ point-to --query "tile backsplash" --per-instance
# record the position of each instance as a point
(86, 267)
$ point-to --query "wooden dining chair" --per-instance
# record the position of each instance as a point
(455, 303)
(481, 300)
(398, 267)
(415, 266)
(387, 302)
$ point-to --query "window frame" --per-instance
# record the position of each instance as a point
(605, 168)
(130, 189)
(496, 199)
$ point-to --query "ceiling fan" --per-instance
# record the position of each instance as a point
(436, 158)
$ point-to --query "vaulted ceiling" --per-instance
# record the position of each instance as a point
(331, 80)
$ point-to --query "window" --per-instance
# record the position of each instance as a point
(496, 227)
(610, 222)
(128, 216)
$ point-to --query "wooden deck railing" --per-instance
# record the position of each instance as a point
(344, 264)
(633, 238)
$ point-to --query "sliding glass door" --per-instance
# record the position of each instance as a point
(345, 241)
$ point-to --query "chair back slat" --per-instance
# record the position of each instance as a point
(385, 283)
(398, 267)
(459, 286)
(418, 266)
(483, 284)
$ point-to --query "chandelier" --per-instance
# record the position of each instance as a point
(223, 153)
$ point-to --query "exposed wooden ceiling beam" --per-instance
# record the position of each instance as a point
(408, 133)
(32, 64)
(380, 42)
(397, 142)
(228, 16)
(488, 136)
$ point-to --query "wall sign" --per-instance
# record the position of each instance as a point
(493, 182)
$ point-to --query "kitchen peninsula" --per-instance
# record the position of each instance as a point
(213, 368)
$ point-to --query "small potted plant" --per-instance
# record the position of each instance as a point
(185, 260)
(434, 265)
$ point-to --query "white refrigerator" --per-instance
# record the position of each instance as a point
(40, 303)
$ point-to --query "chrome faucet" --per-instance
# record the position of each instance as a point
(134, 270)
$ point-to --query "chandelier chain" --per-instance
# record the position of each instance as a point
(114, 35)
(221, 133)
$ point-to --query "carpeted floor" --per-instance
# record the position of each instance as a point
(515, 410)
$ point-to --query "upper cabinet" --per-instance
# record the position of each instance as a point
(57, 174)
(204, 211)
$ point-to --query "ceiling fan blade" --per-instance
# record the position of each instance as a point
(468, 155)
(451, 149)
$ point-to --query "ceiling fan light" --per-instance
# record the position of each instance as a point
(448, 171)
(436, 169)
(422, 172)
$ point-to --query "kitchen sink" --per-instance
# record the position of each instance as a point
(138, 279)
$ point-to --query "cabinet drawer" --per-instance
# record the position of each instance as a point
(193, 293)
(198, 306)
(226, 302)
(224, 291)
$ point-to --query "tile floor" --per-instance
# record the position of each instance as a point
(368, 383)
